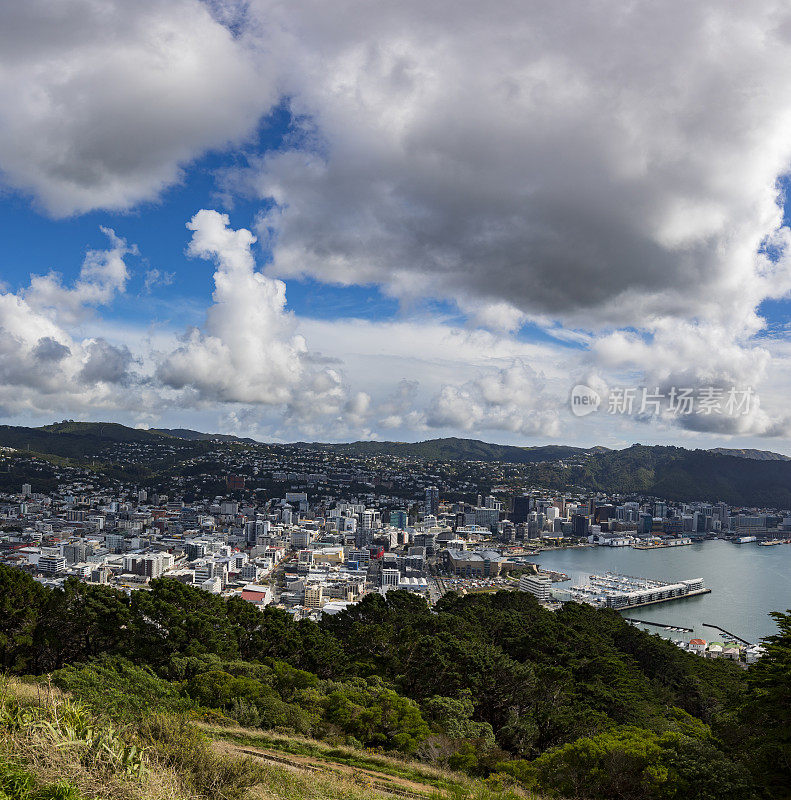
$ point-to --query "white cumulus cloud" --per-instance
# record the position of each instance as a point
(511, 399)
(102, 101)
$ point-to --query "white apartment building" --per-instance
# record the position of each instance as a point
(539, 585)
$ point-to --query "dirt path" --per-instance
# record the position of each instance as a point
(379, 781)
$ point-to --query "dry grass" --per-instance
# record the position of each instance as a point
(40, 744)
(58, 740)
(345, 768)
(323, 750)
(285, 784)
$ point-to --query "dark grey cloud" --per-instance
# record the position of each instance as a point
(49, 350)
(106, 363)
(601, 163)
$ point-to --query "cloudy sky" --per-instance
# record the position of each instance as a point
(350, 220)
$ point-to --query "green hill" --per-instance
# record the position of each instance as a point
(73, 439)
(197, 436)
(733, 476)
(679, 474)
(454, 449)
(758, 455)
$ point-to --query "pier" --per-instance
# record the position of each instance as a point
(661, 625)
(728, 633)
(612, 590)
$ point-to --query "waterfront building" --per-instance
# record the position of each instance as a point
(539, 585)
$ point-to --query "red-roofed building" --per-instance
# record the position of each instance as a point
(257, 595)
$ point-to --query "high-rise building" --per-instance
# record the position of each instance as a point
(390, 578)
(51, 564)
(580, 525)
(521, 508)
(75, 552)
(314, 595)
(229, 508)
(432, 501)
(250, 572)
(195, 550)
(399, 519)
(486, 517)
(116, 542)
(363, 537)
(300, 539)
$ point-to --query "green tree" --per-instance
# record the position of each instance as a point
(21, 601)
(767, 712)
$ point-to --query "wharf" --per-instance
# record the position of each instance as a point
(662, 625)
(659, 545)
(668, 599)
(612, 590)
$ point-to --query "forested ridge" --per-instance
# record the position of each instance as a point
(576, 703)
(672, 473)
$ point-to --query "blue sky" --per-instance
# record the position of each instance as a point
(469, 216)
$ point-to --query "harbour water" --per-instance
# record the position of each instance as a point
(746, 581)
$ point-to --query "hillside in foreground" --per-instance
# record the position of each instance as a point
(55, 747)
(485, 696)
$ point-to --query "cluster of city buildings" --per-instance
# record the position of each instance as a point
(319, 536)
(309, 558)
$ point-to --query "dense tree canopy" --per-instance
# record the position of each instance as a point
(575, 702)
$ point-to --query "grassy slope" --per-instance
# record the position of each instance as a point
(52, 738)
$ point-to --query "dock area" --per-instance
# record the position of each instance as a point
(665, 626)
(612, 590)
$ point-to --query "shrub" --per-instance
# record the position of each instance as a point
(174, 742)
(16, 783)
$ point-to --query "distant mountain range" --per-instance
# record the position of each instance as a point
(757, 455)
(737, 477)
(197, 436)
(85, 439)
(454, 449)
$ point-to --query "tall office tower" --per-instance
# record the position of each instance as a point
(521, 508)
(432, 501)
(399, 519)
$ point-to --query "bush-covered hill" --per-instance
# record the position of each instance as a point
(679, 474)
(577, 702)
(197, 436)
(673, 473)
(455, 449)
(73, 439)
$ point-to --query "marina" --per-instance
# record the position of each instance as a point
(728, 635)
(747, 582)
(613, 590)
